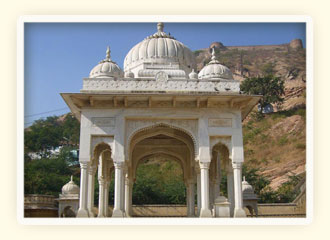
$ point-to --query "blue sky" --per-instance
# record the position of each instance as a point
(59, 55)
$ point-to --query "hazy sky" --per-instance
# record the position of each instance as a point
(59, 55)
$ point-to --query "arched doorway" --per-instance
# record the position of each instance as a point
(171, 144)
(100, 175)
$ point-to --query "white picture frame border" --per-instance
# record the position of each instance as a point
(166, 18)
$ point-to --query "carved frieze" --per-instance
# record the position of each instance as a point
(103, 122)
(220, 122)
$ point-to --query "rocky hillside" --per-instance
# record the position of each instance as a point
(276, 144)
(286, 60)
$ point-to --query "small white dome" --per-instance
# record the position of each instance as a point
(214, 70)
(248, 191)
(193, 75)
(129, 74)
(70, 188)
(246, 187)
(106, 68)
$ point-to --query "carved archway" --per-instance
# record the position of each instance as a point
(149, 125)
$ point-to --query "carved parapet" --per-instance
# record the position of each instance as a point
(108, 84)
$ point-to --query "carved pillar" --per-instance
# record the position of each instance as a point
(128, 196)
(190, 198)
(101, 197)
(218, 177)
(237, 171)
(230, 190)
(83, 211)
(91, 185)
(198, 192)
(106, 197)
(205, 198)
(211, 193)
(123, 188)
(118, 208)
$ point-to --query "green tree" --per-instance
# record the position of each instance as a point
(47, 134)
(43, 136)
(270, 87)
(48, 175)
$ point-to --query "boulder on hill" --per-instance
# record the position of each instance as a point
(296, 44)
(217, 45)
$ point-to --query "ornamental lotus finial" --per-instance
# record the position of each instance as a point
(160, 27)
(108, 57)
(213, 54)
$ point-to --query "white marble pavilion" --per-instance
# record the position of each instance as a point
(160, 106)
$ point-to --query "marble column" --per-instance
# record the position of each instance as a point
(211, 193)
(117, 211)
(83, 210)
(230, 190)
(198, 192)
(205, 198)
(106, 197)
(101, 197)
(237, 171)
(91, 186)
(123, 189)
(218, 177)
(191, 198)
(128, 196)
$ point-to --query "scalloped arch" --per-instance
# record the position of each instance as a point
(161, 124)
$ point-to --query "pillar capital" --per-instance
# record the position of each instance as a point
(102, 181)
(119, 165)
(197, 168)
(84, 165)
(128, 181)
(204, 165)
(92, 169)
(237, 165)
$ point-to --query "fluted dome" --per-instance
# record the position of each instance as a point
(162, 50)
(247, 190)
(106, 68)
(215, 70)
(70, 188)
(246, 187)
(193, 75)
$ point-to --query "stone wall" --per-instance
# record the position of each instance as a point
(37, 205)
(281, 210)
(45, 206)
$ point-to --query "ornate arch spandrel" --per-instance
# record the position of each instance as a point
(187, 126)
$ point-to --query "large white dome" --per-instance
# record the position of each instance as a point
(162, 50)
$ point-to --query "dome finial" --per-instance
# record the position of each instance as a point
(244, 178)
(108, 57)
(213, 54)
(160, 27)
(71, 178)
